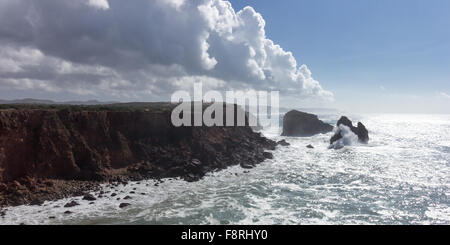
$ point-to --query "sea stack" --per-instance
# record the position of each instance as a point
(360, 130)
(302, 124)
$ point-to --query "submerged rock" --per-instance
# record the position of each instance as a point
(310, 146)
(89, 197)
(360, 131)
(297, 123)
(191, 177)
(123, 205)
(283, 143)
(71, 204)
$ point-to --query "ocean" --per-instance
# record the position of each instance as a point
(401, 177)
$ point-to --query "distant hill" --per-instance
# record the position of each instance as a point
(310, 110)
(283, 110)
(51, 102)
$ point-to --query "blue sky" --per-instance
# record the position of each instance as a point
(387, 55)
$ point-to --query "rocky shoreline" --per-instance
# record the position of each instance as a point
(58, 152)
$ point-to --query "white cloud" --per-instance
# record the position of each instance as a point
(443, 95)
(100, 4)
(150, 47)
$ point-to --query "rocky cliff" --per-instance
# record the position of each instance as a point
(54, 153)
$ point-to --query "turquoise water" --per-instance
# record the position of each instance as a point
(401, 177)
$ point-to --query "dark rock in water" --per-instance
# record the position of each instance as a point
(68, 212)
(124, 204)
(268, 155)
(283, 143)
(191, 177)
(337, 136)
(310, 146)
(71, 204)
(114, 194)
(127, 197)
(345, 121)
(361, 131)
(89, 197)
(297, 123)
(52, 217)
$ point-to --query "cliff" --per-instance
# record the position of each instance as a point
(57, 152)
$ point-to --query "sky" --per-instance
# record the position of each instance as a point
(379, 56)
(359, 56)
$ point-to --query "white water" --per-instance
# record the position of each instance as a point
(401, 177)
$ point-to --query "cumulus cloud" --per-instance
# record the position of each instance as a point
(143, 47)
(101, 4)
(444, 95)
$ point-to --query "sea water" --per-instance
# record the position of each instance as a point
(401, 177)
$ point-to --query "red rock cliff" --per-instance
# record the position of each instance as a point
(64, 144)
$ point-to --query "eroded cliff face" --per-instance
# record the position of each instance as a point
(48, 148)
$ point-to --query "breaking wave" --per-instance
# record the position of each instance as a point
(348, 137)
